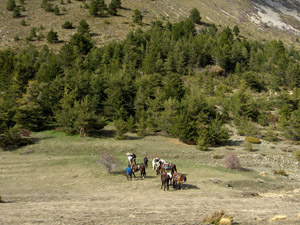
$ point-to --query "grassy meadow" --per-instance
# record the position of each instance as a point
(59, 179)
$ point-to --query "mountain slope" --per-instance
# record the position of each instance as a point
(258, 19)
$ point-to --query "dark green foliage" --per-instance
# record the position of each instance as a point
(195, 16)
(16, 12)
(236, 30)
(117, 3)
(56, 10)
(23, 23)
(120, 129)
(67, 25)
(137, 17)
(75, 115)
(11, 5)
(173, 87)
(97, 8)
(29, 113)
(52, 37)
(14, 137)
(167, 78)
(16, 38)
(112, 8)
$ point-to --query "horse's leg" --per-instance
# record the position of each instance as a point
(167, 183)
(133, 174)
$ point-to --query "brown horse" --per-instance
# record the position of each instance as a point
(141, 168)
(166, 167)
(178, 178)
(165, 179)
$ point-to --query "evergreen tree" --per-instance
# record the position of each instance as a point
(195, 16)
(112, 9)
(16, 12)
(236, 30)
(93, 8)
(56, 10)
(29, 113)
(83, 27)
(137, 17)
(117, 3)
(11, 5)
(52, 37)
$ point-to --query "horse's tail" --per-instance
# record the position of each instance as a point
(175, 168)
(184, 178)
(153, 163)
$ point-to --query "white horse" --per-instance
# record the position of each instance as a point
(156, 162)
(131, 158)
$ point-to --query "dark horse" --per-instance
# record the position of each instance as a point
(141, 168)
(165, 179)
(178, 178)
(166, 167)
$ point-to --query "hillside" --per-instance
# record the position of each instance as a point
(259, 19)
(60, 180)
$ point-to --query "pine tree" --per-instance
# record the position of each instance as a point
(117, 3)
(137, 17)
(56, 10)
(93, 8)
(112, 9)
(195, 16)
(52, 37)
(11, 5)
(83, 27)
(29, 113)
(16, 12)
(102, 7)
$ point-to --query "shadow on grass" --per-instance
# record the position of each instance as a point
(190, 186)
(234, 142)
(118, 172)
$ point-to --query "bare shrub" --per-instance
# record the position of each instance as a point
(109, 162)
(231, 161)
(218, 218)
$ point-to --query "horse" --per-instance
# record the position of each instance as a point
(131, 158)
(141, 168)
(156, 162)
(166, 167)
(178, 178)
(165, 179)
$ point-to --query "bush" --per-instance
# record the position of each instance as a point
(217, 217)
(248, 146)
(109, 162)
(280, 172)
(67, 25)
(15, 137)
(296, 154)
(270, 136)
(231, 161)
(252, 140)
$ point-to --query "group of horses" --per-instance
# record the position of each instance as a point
(169, 174)
(168, 171)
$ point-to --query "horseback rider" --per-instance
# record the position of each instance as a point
(146, 161)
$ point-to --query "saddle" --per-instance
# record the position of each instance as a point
(175, 176)
(167, 166)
